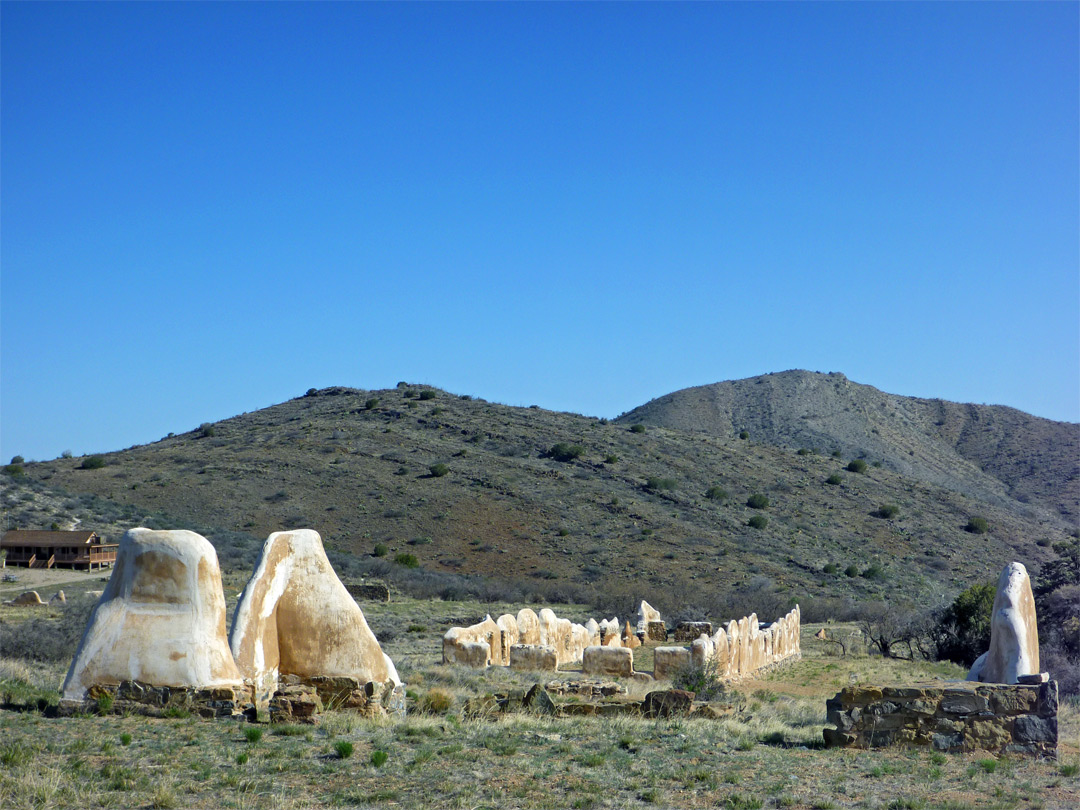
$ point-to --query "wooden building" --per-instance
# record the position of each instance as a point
(41, 549)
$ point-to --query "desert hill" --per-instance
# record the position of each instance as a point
(617, 513)
(993, 453)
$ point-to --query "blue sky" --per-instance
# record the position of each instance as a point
(207, 209)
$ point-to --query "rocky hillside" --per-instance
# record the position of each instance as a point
(468, 487)
(996, 454)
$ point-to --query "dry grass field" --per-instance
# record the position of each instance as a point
(767, 753)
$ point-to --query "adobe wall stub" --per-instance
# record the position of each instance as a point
(159, 621)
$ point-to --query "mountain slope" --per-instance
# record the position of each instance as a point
(630, 515)
(993, 453)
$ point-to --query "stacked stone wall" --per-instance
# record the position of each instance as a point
(957, 716)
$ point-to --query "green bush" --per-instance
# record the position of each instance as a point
(380, 550)
(874, 572)
(758, 501)
(834, 479)
(977, 525)
(68, 453)
(372, 403)
(830, 568)
(407, 560)
(566, 452)
(378, 758)
(758, 522)
(656, 484)
(206, 430)
(18, 460)
(14, 470)
(438, 470)
(856, 466)
(887, 511)
(637, 428)
(252, 734)
(93, 463)
(962, 632)
(343, 748)
(610, 458)
(716, 494)
(744, 435)
(852, 571)
(427, 393)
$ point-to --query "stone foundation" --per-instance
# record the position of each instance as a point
(136, 697)
(955, 716)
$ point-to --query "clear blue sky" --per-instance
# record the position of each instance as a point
(210, 208)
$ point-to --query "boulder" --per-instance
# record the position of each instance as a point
(160, 620)
(25, 598)
(1014, 635)
(295, 617)
(668, 703)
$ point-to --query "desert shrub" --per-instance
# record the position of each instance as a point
(18, 460)
(610, 458)
(68, 453)
(566, 452)
(438, 470)
(420, 541)
(14, 470)
(380, 550)
(834, 479)
(378, 758)
(856, 466)
(252, 734)
(427, 393)
(758, 501)
(657, 484)
(977, 525)
(744, 435)
(372, 403)
(962, 630)
(852, 570)
(639, 428)
(206, 430)
(703, 680)
(716, 493)
(407, 560)
(343, 748)
(436, 701)
(93, 463)
(757, 522)
(830, 568)
(887, 511)
(874, 572)
(802, 451)
(1057, 607)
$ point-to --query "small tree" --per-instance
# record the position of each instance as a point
(18, 460)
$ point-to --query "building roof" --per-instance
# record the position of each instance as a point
(23, 537)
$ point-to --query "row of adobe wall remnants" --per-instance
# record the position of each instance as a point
(160, 624)
(546, 642)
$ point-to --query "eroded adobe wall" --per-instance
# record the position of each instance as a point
(744, 647)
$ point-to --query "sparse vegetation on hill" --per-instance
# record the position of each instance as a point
(514, 518)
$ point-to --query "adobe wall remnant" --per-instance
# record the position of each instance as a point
(608, 661)
(295, 617)
(24, 599)
(688, 631)
(534, 657)
(745, 647)
(160, 620)
(953, 716)
(1014, 633)
(490, 642)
